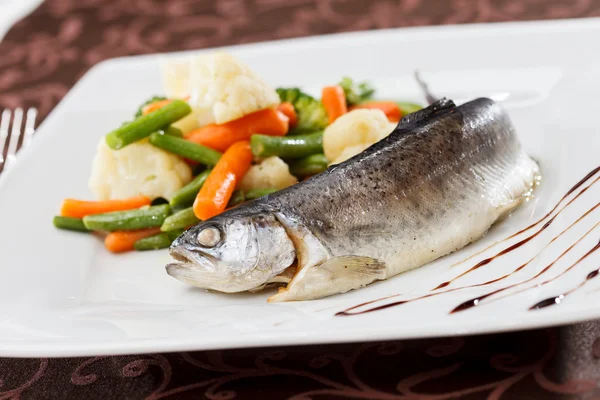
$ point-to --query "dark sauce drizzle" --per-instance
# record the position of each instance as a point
(476, 301)
(558, 299)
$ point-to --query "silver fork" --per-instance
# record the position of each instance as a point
(11, 129)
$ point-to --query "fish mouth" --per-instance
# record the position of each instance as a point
(195, 268)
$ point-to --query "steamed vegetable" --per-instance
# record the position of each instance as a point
(69, 223)
(357, 129)
(334, 101)
(237, 198)
(160, 241)
(185, 196)
(308, 166)
(391, 109)
(288, 110)
(142, 218)
(80, 208)
(143, 126)
(122, 241)
(297, 146)
(147, 109)
(138, 169)
(311, 113)
(272, 172)
(171, 131)
(185, 148)
(224, 87)
(356, 93)
(219, 137)
(153, 99)
(180, 220)
(220, 184)
(408, 108)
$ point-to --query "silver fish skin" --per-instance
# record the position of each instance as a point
(435, 184)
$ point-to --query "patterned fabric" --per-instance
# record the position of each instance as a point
(46, 53)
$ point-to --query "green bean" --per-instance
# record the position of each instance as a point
(160, 241)
(172, 131)
(185, 196)
(408, 108)
(180, 220)
(297, 146)
(256, 193)
(147, 217)
(185, 149)
(237, 198)
(143, 126)
(69, 223)
(308, 166)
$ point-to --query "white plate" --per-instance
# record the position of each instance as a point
(62, 294)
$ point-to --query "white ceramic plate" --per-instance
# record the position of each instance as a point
(62, 294)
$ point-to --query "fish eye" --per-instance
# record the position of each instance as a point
(209, 237)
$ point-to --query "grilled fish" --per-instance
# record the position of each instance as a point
(435, 184)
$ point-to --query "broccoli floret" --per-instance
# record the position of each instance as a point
(356, 94)
(311, 113)
(149, 101)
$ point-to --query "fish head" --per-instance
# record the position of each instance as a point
(232, 252)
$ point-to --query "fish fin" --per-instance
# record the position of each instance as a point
(442, 105)
(336, 275)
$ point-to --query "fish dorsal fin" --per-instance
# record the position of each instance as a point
(442, 105)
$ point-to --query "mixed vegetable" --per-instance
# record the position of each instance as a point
(219, 140)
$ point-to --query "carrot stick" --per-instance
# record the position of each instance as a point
(147, 109)
(220, 183)
(219, 137)
(334, 101)
(288, 110)
(79, 208)
(121, 241)
(391, 109)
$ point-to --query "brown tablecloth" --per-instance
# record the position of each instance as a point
(44, 55)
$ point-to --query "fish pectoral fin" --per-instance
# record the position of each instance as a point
(336, 275)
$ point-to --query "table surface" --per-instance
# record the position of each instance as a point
(41, 58)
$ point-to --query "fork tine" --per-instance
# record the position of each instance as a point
(4, 123)
(15, 135)
(29, 126)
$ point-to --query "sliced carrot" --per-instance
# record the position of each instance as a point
(79, 208)
(121, 241)
(219, 137)
(334, 101)
(288, 110)
(391, 109)
(220, 183)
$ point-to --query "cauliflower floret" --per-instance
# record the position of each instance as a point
(139, 169)
(353, 132)
(272, 173)
(221, 87)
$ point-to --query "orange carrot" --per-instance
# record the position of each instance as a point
(391, 109)
(219, 137)
(121, 241)
(79, 208)
(220, 183)
(290, 112)
(147, 109)
(334, 101)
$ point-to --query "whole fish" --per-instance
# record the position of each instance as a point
(435, 184)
